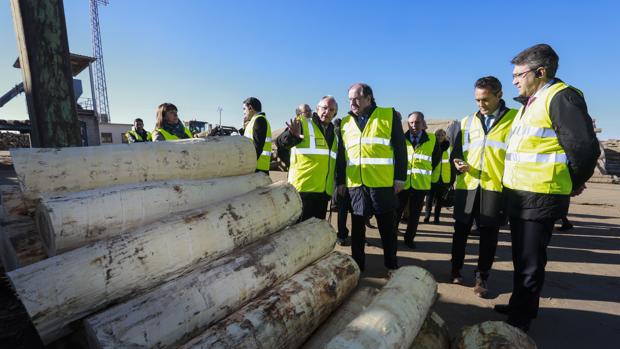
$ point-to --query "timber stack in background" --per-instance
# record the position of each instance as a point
(612, 156)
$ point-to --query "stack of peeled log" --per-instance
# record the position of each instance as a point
(84, 194)
(142, 258)
(181, 244)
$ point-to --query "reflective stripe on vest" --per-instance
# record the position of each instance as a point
(443, 169)
(312, 162)
(419, 164)
(369, 153)
(265, 156)
(535, 160)
(171, 137)
(484, 153)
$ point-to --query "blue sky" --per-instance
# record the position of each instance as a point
(416, 55)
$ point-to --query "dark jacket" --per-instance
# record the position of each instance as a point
(575, 132)
(435, 157)
(445, 145)
(490, 203)
(286, 140)
(364, 200)
(259, 133)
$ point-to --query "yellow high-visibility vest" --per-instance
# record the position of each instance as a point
(136, 135)
(484, 153)
(443, 168)
(265, 157)
(419, 164)
(171, 137)
(369, 153)
(535, 160)
(312, 161)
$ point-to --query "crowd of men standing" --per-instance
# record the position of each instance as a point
(504, 164)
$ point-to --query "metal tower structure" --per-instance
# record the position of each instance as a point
(101, 89)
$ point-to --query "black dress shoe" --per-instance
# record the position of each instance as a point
(502, 308)
(410, 244)
(565, 226)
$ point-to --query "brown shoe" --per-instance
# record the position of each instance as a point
(480, 287)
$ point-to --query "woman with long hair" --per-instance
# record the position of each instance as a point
(168, 126)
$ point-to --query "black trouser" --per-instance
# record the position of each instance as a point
(529, 257)
(385, 223)
(437, 192)
(313, 206)
(344, 207)
(416, 201)
(486, 250)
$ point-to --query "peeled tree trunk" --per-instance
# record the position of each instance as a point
(395, 316)
(433, 334)
(74, 220)
(348, 311)
(491, 335)
(70, 286)
(66, 170)
(174, 312)
(287, 314)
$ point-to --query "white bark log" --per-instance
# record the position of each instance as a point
(433, 334)
(174, 312)
(349, 310)
(491, 335)
(67, 287)
(65, 170)
(20, 245)
(74, 220)
(286, 315)
(395, 316)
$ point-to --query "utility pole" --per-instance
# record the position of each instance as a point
(219, 109)
(46, 70)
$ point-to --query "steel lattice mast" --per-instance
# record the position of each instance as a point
(101, 88)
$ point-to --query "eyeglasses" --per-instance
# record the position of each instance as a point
(521, 75)
(326, 107)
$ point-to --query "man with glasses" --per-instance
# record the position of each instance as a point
(478, 156)
(313, 147)
(551, 152)
(372, 166)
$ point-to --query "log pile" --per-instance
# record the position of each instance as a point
(193, 257)
(157, 257)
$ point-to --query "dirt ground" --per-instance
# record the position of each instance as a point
(580, 303)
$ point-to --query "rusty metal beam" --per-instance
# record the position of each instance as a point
(46, 69)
